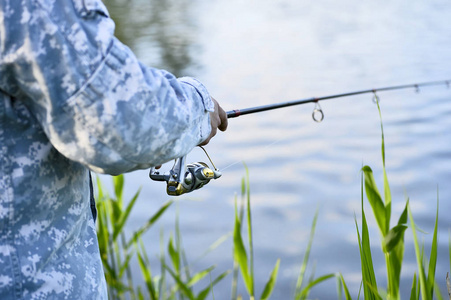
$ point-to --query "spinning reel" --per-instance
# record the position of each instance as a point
(183, 178)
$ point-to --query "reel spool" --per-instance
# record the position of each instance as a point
(183, 178)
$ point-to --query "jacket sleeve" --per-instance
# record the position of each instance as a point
(95, 101)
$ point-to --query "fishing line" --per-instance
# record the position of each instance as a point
(266, 147)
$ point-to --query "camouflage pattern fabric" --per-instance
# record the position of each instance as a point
(73, 98)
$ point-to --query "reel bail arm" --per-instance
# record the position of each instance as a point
(183, 178)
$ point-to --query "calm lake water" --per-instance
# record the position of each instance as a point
(251, 53)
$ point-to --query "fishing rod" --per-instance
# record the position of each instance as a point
(318, 115)
(184, 178)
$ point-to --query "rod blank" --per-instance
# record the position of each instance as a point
(239, 112)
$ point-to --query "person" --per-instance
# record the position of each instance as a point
(73, 99)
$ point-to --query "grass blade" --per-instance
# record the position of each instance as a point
(235, 262)
(249, 231)
(240, 255)
(124, 216)
(213, 246)
(339, 288)
(306, 255)
(271, 282)
(204, 293)
(183, 287)
(311, 284)
(149, 223)
(438, 295)
(403, 217)
(345, 287)
(387, 192)
(125, 264)
(179, 248)
(193, 280)
(433, 258)
(140, 294)
(118, 183)
(396, 256)
(422, 276)
(239, 213)
(368, 277)
(413, 290)
(174, 255)
(102, 230)
(147, 277)
(162, 280)
(99, 195)
(374, 197)
(393, 237)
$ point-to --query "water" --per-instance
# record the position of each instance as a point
(251, 53)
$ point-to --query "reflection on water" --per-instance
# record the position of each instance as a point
(162, 33)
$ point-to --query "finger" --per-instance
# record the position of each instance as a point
(204, 143)
(213, 132)
(224, 122)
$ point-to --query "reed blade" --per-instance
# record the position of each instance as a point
(271, 282)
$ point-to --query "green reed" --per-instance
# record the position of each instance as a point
(243, 258)
(115, 248)
(176, 279)
(392, 242)
(117, 252)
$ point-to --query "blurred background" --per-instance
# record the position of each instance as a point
(251, 53)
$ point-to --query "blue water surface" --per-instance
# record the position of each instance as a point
(251, 53)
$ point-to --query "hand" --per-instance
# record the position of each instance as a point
(218, 120)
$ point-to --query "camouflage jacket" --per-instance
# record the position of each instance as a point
(73, 98)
